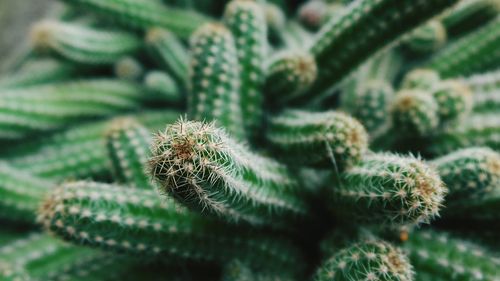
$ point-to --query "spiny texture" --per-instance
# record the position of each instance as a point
(454, 101)
(47, 107)
(139, 222)
(205, 169)
(483, 82)
(426, 38)
(364, 27)
(169, 53)
(476, 130)
(328, 139)
(477, 51)
(414, 112)
(247, 23)
(83, 44)
(468, 15)
(369, 260)
(388, 189)
(469, 172)
(215, 79)
(289, 74)
(143, 14)
(161, 83)
(128, 147)
(370, 104)
(486, 102)
(78, 152)
(20, 194)
(421, 79)
(450, 258)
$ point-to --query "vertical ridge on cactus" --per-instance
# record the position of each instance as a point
(388, 189)
(83, 44)
(144, 14)
(328, 139)
(215, 79)
(368, 260)
(86, 212)
(208, 171)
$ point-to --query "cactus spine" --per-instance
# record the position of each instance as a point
(388, 189)
(247, 23)
(83, 44)
(205, 169)
(369, 260)
(318, 139)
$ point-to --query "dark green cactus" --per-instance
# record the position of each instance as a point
(427, 38)
(414, 113)
(421, 79)
(454, 101)
(165, 86)
(468, 15)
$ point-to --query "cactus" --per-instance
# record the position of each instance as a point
(247, 23)
(83, 44)
(318, 139)
(128, 68)
(414, 112)
(78, 152)
(468, 15)
(421, 79)
(363, 28)
(239, 271)
(169, 53)
(295, 37)
(162, 84)
(426, 38)
(20, 194)
(215, 79)
(449, 258)
(141, 223)
(205, 169)
(143, 14)
(289, 74)
(388, 189)
(486, 102)
(368, 260)
(315, 13)
(471, 53)
(483, 82)
(454, 101)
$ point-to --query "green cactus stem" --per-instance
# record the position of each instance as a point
(215, 79)
(247, 23)
(421, 79)
(368, 260)
(294, 36)
(414, 113)
(83, 44)
(143, 14)
(449, 258)
(137, 221)
(164, 85)
(363, 28)
(454, 101)
(426, 39)
(475, 52)
(204, 168)
(486, 102)
(483, 82)
(325, 139)
(239, 271)
(468, 15)
(289, 74)
(128, 68)
(169, 53)
(387, 189)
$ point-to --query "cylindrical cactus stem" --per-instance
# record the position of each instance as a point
(486, 102)
(138, 221)
(40, 71)
(240, 271)
(389, 190)
(454, 101)
(414, 113)
(426, 39)
(128, 147)
(83, 44)
(483, 82)
(247, 23)
(144, 14)
(475, 130)
(364, 28)
(78, 152)
(215, 79)
(20, 194)
(169, 52)
(165, 86)
(367, 260)
(475, 52)
(469, 172)
(325, 139)
(207, 170)
(128, 68)
(289, 74)
(53, 106)
(275, 19)
(369, 104)
(421, 79)
(468, 15)
(449, 258)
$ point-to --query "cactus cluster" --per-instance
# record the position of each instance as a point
(253, 140)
